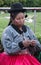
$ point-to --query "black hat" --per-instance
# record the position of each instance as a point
(16, 7)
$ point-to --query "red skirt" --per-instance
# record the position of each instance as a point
(22, 59)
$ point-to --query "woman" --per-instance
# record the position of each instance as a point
(18, 40)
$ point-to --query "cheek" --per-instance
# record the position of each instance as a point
(16, 21)
(20, 22)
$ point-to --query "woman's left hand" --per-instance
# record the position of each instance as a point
(33, 42)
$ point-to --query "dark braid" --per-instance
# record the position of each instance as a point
(12, 17)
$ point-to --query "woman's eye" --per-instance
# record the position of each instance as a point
(18, 18)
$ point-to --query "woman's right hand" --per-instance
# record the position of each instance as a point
(26, 43)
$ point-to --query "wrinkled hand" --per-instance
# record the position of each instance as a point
(29, 42)
(33, 42)
(26, 43)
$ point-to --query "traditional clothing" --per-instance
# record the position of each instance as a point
(20, 59)
(12, 38)
(14, 53)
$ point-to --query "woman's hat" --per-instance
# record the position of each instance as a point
(17, 7)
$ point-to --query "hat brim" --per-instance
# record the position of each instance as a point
(19, 10)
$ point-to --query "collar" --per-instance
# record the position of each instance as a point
(19, 31)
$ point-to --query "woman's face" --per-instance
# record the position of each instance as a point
(19, 19)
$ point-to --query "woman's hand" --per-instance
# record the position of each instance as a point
(26, 43)
(33, 42)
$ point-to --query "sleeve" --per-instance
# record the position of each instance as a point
(33, 37)
(9, 45)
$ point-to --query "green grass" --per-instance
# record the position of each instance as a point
(4, 22)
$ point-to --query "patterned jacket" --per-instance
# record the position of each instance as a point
(12, 39)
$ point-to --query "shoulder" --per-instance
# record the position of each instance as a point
(27, 27)
(8, 30)
(29, 30)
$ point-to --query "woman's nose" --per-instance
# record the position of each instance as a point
(21, 20)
